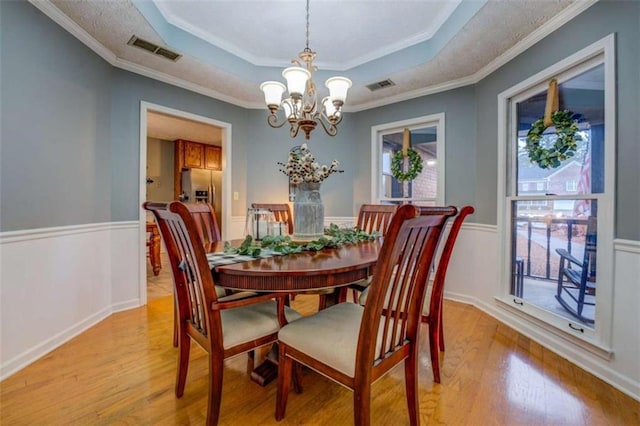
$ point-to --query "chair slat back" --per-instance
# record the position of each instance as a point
(206, 223)
(394, 304)
(437, 292)
(193, 281)
(375, 217)
(281, 213)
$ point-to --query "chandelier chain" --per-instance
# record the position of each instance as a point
(307, 25)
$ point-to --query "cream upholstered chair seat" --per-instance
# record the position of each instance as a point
(339, 324)
(244, 324)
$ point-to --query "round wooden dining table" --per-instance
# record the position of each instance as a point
(310, 270)
(298, 272)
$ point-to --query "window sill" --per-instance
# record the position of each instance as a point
(541, 321)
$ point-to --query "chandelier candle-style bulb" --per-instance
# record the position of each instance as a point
(273, 91)
(296, 80)
(338, 87)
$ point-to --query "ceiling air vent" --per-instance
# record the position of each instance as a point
(154, 48)
(380, 85)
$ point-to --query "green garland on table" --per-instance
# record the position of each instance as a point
(337, 237)
(565, 145)
(415, 165)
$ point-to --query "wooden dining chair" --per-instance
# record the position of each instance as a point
(209, 233)
(354, 345)
(222, 328)
(432, 312)
(372, 218)
(206, 223)
(281, 212)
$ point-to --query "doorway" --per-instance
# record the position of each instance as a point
(159, 127)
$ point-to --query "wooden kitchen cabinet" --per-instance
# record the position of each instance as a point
(212, 157)
(193, 155)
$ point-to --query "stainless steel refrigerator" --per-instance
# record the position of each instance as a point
(199, 186)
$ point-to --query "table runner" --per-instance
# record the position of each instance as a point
(222, 258)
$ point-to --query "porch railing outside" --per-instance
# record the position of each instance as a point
(557, 233)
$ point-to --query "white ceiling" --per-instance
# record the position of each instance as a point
(230, 46)
(170, 128)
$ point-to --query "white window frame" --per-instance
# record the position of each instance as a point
(378, 131)
(597, 339)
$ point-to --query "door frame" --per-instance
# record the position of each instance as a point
(146, 107)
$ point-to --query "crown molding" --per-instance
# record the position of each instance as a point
(187, 85)
(550, 26)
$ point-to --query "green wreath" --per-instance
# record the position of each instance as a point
(415, 165)
(565, 145)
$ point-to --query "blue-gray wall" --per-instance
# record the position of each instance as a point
(269, 146)
(70, 128)
(55, 160)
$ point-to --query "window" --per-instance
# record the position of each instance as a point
(570, 213)
(427, 138)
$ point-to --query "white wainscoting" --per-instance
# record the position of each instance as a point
(57, 282)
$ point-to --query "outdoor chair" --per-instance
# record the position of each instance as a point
(577, 277)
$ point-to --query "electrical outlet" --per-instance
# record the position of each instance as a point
(236, 196)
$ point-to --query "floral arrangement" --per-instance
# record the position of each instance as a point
(284, 245)
(565, 145)
(302, 167)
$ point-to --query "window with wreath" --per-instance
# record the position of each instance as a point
(555, 230)
(418, 176)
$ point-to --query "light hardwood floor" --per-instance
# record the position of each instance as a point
(121, 372)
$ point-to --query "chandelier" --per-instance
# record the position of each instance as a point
(301, 108)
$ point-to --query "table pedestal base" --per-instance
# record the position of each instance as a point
(265, 373)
